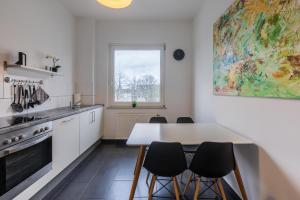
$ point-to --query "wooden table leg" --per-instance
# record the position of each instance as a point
(240, 182)
(137, 171)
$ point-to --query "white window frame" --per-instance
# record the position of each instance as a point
(111, 87)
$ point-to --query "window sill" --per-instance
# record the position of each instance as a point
(136, 108)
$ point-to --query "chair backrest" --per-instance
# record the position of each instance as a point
(165, 159)
(213, 160)
(158, 120)
(185, 120)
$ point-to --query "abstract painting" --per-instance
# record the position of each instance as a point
(257, 49)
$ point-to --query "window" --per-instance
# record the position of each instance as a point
(137, 74)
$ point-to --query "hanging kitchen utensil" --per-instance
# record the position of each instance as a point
(35, 102)
(26, 99)
(40, 96)
(19, 107)
(14, 105)
(30, 103)
(23, 96)
(35, 97)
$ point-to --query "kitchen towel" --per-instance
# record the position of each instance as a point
(40, 96)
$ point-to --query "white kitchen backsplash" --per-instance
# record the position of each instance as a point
(56, 100)
(87, 99)
(53, 102)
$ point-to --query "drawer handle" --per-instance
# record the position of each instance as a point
(66, 121)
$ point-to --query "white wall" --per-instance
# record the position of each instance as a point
(178, 74)
(85, 59)
(37, 27)
(272, 170)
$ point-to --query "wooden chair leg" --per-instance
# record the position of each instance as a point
(152, 184)
(219, 181)
(176, 188)
(187, 186)
(198, 189)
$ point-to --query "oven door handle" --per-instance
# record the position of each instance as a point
(26, 144)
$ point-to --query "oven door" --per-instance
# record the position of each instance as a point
(23, 164)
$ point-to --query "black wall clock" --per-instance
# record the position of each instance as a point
(178, 54)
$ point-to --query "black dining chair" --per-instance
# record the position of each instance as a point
(165, 160)
(185, 120)
(189, 150)
(213, 161)
(158, 120)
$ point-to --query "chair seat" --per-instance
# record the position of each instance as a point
(190, 148)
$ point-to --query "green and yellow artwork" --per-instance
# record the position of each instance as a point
(257, 49)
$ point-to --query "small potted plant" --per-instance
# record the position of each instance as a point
(54, 67)
(134, 104)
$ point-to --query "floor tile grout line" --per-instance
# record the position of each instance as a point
(71, 182)
(89, 182)
(92, 178)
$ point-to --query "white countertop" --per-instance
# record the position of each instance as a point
(186, 134)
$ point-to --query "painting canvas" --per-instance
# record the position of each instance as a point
(257, 49)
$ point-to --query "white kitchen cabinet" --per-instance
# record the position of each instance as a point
(65, 142)
(71, 137)
(90, 128)
(97, 125)
(65, 149)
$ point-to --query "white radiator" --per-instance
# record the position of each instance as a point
(125, 122)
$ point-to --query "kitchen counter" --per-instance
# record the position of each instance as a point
(12, 123)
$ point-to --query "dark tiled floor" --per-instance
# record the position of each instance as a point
(107, 174)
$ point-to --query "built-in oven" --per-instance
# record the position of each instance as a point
(25, 156)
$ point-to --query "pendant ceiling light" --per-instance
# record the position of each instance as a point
(115, 3)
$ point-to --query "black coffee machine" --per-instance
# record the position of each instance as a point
(22, 59)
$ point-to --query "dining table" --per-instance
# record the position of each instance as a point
(143, 134)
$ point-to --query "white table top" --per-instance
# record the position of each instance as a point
(186, 134)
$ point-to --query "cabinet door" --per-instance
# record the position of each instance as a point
(97, 125)
(65, 142)
(86, 130)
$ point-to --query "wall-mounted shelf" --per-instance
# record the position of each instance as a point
(33, 69)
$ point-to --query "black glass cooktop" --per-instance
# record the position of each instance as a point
(19, 119)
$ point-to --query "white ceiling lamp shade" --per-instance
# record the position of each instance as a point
(115, 4)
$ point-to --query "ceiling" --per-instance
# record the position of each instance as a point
(139, 10)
